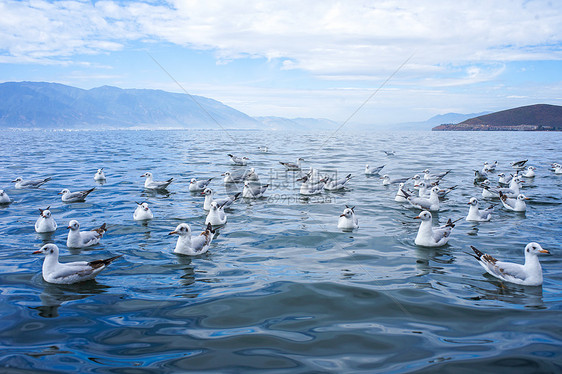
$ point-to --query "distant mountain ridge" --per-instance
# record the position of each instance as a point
(538, 117)
(434, 121)
(53, 105)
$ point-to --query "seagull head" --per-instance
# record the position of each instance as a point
(73, 225)
(182, 229)
(347, 212)
(535, 249)
(424, 216)
(18, 179)
(207, 191)
(48, 249)
(473, 201)
(522, 197)
(147, 174)
(64, 191)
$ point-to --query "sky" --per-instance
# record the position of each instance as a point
(366, 62)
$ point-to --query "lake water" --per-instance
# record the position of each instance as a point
(281, 288)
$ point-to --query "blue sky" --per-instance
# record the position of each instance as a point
(319, 59)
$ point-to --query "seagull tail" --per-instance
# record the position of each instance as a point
(478, 253)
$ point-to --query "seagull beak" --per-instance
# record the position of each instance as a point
(541, 251)
(342, 215)
(39, 252)
(527, 198)
(468, 203)
(417, 217)
(60, 193)
(68, 227)
(172, 232)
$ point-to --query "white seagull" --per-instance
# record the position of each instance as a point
(81, 239)
(310, 187)
(558, 169)
(216, 215)
(490, 167)
(100, 175)
(234, 176)
(293, 166)
(431, 203)
(338, 184)
(142, 212)
(374, 171)
(528, 274)
(253, 192)
(73, 197)
(151, 184)
(503, 179)
(475, 214)
(70, 272)
(198, 185)
(240, 161)
(480, 175)
(530, 172)
(45, 222)
(4, 198)
(348, 220)
(387, 181)
(252, 176)
(400, 196)
(20, 183)
(224, 202)
(429, 236)
(192, 246)
(516, 205)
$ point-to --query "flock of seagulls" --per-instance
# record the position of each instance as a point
(426, 195)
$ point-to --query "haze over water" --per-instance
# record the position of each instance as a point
(281, 287)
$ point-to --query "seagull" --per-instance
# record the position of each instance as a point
(45, 222)
(504, 179)
(400, 196)
(558, 169)
(154, 185)
(191, 247)
(389, 153)
(142, 212)
(73, 197)
(263, 149)
(434, 177)
(480, 176)
(197, 186)
(216, 215)
(374, 171)
(69, 272)
(20, 183)
(431, 203)
(417, 180)
(386, 180)
(490, 167)
(81, 239)
(339, 184)
(514, 187)
(100, 175)
(429, 236)
(348, 220)
(253, 191)
(4, 198)
(224, 202)
(240, 161)
(252, 176)
(234, 176)
(530, 173)
(291, 166)
(309, 187)
(528, 274)
(518, 165)
(516, 205)
(475, 214)
(487, 191)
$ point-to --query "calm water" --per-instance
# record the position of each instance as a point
(281, 288)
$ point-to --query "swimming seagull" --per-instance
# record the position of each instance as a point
(4, 198)
(310, 187)
(339, 184)
(252, 176)
(253, 191)
(514, 187)
(263, 149)
(374, 171)
(45, 222)
(530, 173)
(475, 214)
(490, 167)
(154, 185)
(198, 185)
(241, 161)
(429, 236)
(73, 197)
(192, 246)
(431, 203)
(20, 183)
(400, 196)
(81, 239)
(519, 164)
(291, 166)
(234, 176)
(216, 215)
(434, 177)
(389, 153)
(70, 272)
(142, 212)
(480, 176)
(528, 274)
(386, 180)
(558, 169)
(100, 175)
(516, 205)
(348, 220)
(224, 202)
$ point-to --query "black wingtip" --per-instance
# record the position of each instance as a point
(478, 253)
